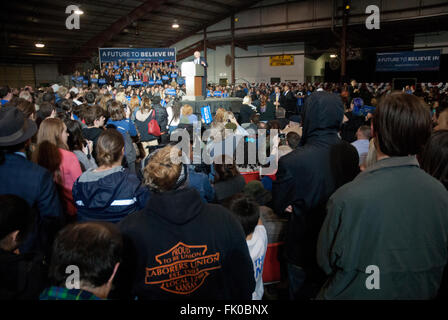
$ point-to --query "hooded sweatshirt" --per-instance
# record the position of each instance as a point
(305, 178)
(108, 195)
(179, 247)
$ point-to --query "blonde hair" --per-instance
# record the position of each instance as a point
(51, 130)
(247, 100)
(219, 115)
(161, 173)
(121, 97)
(187, 110)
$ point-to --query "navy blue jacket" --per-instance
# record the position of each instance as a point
(35, 184)
(108, 196)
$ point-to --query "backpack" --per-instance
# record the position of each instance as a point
(153, 126)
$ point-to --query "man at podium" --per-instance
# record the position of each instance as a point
(201, 60)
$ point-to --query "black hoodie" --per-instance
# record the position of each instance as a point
(179, 247)
(305, 178)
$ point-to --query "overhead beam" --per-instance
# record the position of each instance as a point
(178, 16)
(97, 41)
(192, 9)
(215, 4)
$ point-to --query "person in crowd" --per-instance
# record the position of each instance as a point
(227, 179)
(442, 120)
(362, 142)
(353, 120)
(5, 95)
(120, 119)
(276, 97)
(109, 192)
(292, 142)
(27, 179)
(390, 234)
(52, 153)
(94, 119)
(28, 108)
(246, 110)
(187, 115)
(173, 112)
(434, 159)
(46, 110)
(81, 147)
(266, 109)
(304, 182)
(142, 119)
(344, 163)
(93, 250)
(289, 101)
(161, 117)
(175, 227)
(247, 212)
(22, 275)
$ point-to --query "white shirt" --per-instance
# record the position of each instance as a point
(362, 146)
(197, 60)
(257, 249)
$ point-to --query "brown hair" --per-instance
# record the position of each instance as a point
(92, 113)
(161, 173)
(134, 102)
(109, 147)
(402, 125)
(226, 170)
(26, 107)
(116, 111)
(146, 105)
(435, 156)
(219, 116)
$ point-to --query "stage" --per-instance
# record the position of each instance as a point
(231, 104)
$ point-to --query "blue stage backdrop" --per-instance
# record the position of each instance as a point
(137, 54)
(426, 60)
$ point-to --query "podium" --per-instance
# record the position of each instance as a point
(193, 74)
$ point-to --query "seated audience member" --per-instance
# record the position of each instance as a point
(52, 153)
(177, 226)
(95, 249)
(303, 184)
(435, 156)
(94, 118)
(403, 236)
(119, 118)
(109, 192)
(79, 146)
(362, 142)
(26, 179)
(227, 179)
(22, 275)
(247, 212)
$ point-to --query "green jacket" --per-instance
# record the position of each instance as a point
(393, 216)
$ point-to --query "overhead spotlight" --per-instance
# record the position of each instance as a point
(333, 56)
(175, 25)
(39, 44)
(79, 12)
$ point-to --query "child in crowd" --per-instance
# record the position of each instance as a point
(247, 211)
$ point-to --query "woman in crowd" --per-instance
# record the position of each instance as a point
(227, 179)
(266, 109)
(142, 119)
(247, 110)
(173, 115)
(81, 147)
(28, 109)
(187, 116)
(109, 192)
(52, 153)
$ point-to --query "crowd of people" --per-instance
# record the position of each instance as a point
(357, 176)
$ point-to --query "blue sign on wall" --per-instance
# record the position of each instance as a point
(137, 54)
(427, 60)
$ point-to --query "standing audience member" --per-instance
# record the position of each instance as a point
(52, 153)
(26, 179)
(303, 185)
(173, 115)
(94, 119)
(142, 119)
(79, 146)
(200, 246)
(247, 212)
(362, 142)
(22, 275)
(109, 192)
(403, 235)
(96, 250)
(435, 156)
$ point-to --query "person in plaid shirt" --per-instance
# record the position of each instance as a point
(92, 248)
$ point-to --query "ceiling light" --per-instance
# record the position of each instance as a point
(333, 56)
(175, 25)
(39, 45)
(79, 11)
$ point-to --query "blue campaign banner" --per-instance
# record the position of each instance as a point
(180, 81)
(102, 81)
(159, 82)
(151, 82)
(124, 83)
(171, 92)
(138, 83)
(131, 83)
(174, 75)
(206, 114)
(165, 77)
(426, 60)
(93, 80)
(137, 54)
(85, 81)
(80, 78)
(217, 94)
